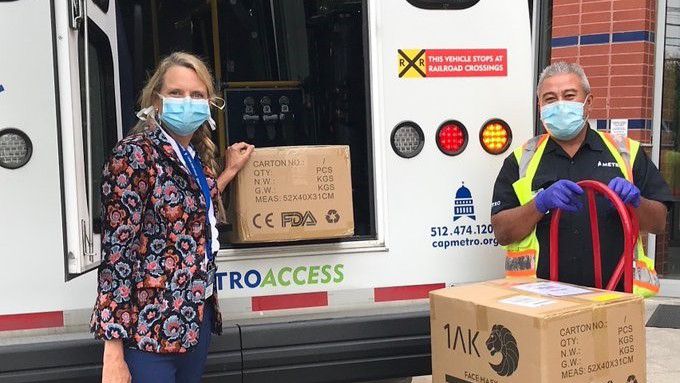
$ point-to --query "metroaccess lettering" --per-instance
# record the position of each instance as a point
(282, 277)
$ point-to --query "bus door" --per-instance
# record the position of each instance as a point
(90, 118)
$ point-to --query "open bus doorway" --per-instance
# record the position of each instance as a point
(292, 72)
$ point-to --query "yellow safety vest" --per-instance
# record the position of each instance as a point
(522, 256)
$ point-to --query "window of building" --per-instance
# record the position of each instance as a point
(668, 244)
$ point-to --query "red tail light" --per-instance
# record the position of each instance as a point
(452, 138)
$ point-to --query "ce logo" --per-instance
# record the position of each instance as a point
(268, 219)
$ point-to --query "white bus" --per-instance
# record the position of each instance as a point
(430, 95)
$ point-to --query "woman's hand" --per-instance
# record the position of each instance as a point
(237, 156)
(115, 370)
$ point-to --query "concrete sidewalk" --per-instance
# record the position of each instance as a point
(663, 349)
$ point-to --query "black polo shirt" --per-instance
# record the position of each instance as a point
(592, 161)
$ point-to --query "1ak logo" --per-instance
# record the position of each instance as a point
(502, 341)
(463, 340)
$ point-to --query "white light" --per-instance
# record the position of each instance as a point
(407, 140)
(15, 149)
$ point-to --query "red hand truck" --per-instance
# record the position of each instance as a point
(630, 236)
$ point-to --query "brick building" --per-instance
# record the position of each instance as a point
(614, 41)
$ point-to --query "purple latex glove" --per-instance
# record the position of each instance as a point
(628, 192)
(563, 194)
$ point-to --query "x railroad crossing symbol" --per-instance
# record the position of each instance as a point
(411, 67)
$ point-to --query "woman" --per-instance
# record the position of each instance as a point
(156, 306)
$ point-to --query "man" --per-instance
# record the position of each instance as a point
(541, 176)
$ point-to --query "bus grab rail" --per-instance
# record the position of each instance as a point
(631, 229)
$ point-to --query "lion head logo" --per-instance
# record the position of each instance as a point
(501, 341)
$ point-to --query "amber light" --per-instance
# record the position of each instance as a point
(495, 136)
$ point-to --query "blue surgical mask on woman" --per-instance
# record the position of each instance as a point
(184, 115)
(563, 119)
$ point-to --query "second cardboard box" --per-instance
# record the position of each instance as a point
(294, 193)
(534, 331)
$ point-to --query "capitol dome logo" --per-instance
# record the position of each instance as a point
(463, 205)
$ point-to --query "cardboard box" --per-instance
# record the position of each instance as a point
(294, 193)
(531, 331)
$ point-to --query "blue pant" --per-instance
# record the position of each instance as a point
(149, 367)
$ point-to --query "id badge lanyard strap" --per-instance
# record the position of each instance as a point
(196, 169)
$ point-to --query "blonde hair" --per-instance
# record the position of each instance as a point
(201, 140)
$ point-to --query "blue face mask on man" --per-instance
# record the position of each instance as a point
(563, 119)
(184, 115)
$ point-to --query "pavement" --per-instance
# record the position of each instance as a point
(663, 349)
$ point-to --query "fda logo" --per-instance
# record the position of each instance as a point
(297, 219)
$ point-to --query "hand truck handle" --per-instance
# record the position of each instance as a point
(630, 235)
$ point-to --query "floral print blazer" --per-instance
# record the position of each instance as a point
(152, 278)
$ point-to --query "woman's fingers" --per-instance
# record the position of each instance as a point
(249, 150)
(239, 146)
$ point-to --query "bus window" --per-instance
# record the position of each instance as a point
(102, 4)
(102, 109)
(293, 72)
(443, 4)
(454, 4)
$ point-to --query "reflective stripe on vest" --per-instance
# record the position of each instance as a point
(522, 257)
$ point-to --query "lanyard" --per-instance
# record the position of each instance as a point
(196, 169)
